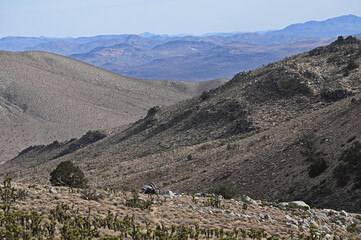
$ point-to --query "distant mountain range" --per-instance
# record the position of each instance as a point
(190, 58)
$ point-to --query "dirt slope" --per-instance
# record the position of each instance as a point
(46, 97)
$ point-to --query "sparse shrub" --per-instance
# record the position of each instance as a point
(341, 175)
(335, 95)
(190, 157)
(205, 95)
(317, 167)
(226, 190)
(153, 110)
(352, 154)
(310, 150)
(232, 146)
(352, 64)
(137, 202)
(245, 206)
(69, 175)
(351, 228)
(357, 181)
(351, 158)
(309, 146)
(213, 202)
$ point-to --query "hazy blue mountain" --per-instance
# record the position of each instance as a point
(215, 62)
(118, 56)
(192, 58)
(58, 46)
(183, 48)
(21, 43)
(344, 25)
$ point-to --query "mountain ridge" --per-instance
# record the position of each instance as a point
(145, 61)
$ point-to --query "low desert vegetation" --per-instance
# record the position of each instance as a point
(64, 221)
(226, 190)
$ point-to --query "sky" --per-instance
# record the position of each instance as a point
(74, 18)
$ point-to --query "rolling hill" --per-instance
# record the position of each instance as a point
(46, 97)
(286, 131)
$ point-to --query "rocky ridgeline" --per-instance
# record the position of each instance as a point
(106, 213)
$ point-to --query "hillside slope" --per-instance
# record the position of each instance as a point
(249, 133)
(46, 97)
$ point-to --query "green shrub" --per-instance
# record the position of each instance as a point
(351, 228)
(69, 175)
(352, 154)
(313, 156)
(317, 167)
(137, 202)
(352, 64)
(351, 166)
(205, 95)
(341, 175)
(226, 190)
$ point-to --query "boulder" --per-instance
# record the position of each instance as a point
(300, 204)
(52, 190)
(168, 193)
(343, 213)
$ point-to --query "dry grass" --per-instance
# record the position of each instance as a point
(182, 210)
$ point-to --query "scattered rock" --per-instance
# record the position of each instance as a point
(193, 208)
(52, 190)
(291, 220)
(344, 213)
(169, 193)
(293, 226)
(267, 217)
(322, 215)
(301, 204)
(325, 229)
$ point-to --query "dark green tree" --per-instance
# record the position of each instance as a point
(69, 175)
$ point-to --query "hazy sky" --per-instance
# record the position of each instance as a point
(65, 18)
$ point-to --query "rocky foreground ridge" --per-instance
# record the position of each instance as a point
(42, 211)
